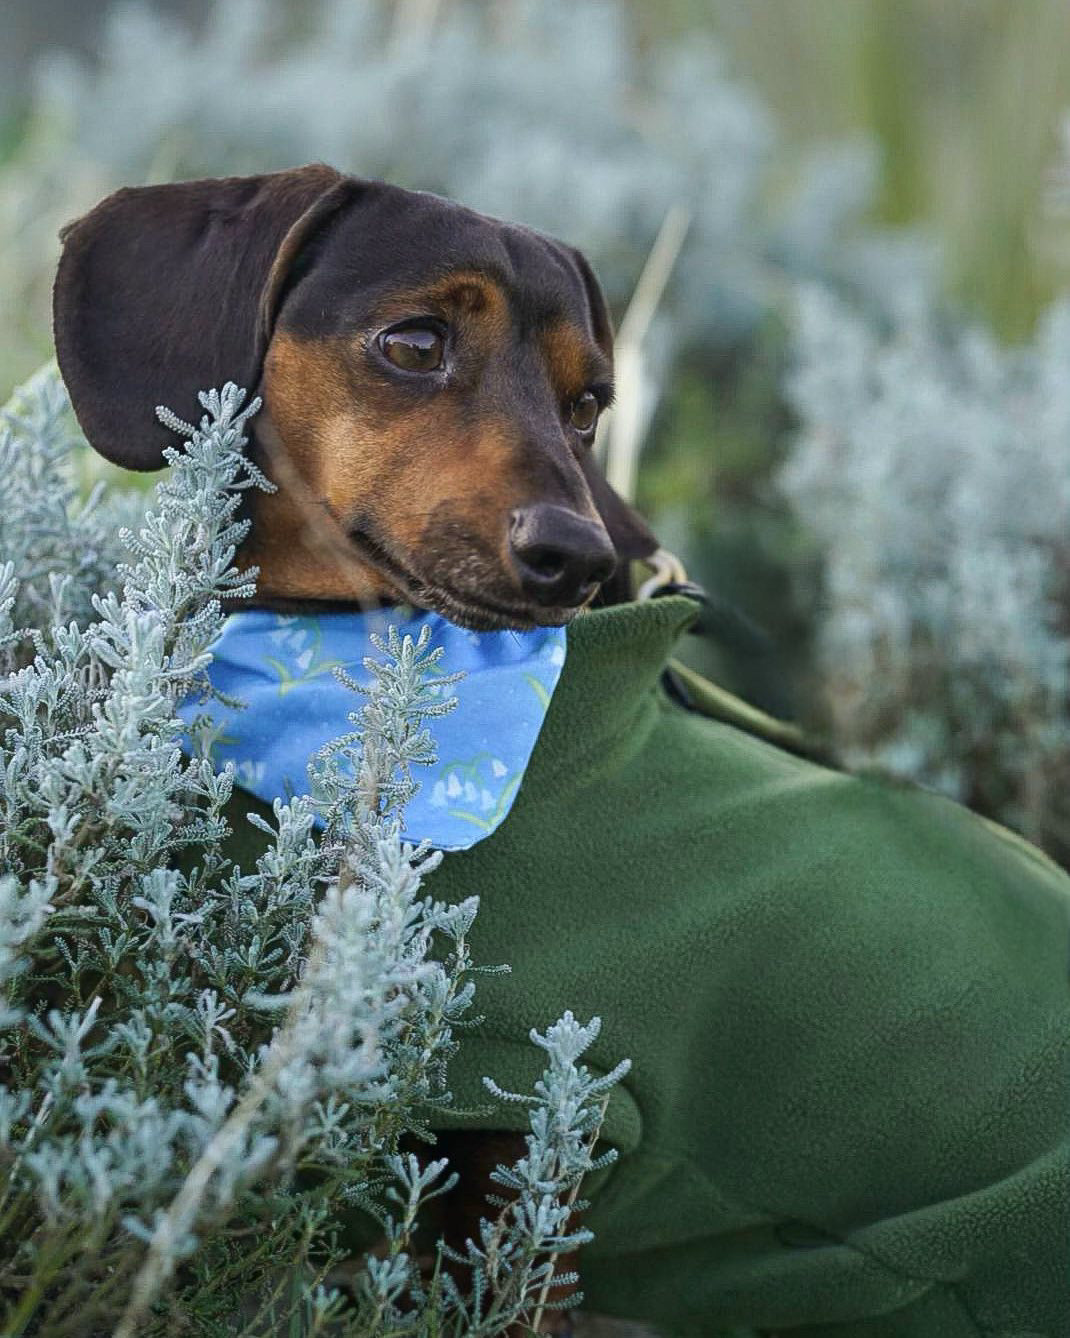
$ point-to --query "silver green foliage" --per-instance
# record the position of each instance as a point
(59, 537)
(206, 1070)
(933, 466)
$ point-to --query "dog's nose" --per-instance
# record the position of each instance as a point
(560, 556)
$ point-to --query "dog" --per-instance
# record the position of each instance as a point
(845, 1001)
(432, 379)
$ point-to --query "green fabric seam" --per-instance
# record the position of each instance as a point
(928, 1285)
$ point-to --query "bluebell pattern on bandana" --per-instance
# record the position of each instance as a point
(281, 666)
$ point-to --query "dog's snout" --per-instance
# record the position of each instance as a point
(560, 556)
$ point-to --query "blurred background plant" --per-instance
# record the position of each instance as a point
(849, 392)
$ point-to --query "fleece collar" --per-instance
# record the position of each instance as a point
(281, 666)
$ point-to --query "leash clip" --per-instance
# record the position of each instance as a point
(669, 576)
(718, 619)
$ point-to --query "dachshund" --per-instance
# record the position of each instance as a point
(431, 379)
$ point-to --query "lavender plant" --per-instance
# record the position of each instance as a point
(205, 1069)
(60, 538)
(931, 465)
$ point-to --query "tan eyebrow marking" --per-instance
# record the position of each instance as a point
(572, 361)
(464, 292)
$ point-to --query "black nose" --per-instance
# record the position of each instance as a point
(560, 556)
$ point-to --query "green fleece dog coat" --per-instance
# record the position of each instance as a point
(846, 1003)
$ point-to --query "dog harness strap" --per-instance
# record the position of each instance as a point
(282, 667)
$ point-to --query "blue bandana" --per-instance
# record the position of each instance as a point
(282, 666)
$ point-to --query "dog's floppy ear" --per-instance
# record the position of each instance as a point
(632, 537)
(163, 291)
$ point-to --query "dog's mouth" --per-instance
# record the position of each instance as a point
(465, 607)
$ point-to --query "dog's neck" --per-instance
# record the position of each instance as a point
(281, 669)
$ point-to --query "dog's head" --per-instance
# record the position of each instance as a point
(431, 377)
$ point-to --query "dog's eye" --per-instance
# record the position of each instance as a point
(584, 413)
(414, 350)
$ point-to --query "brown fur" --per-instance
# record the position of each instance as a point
(570, 359)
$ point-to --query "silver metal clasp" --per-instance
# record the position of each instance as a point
(667, 569)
